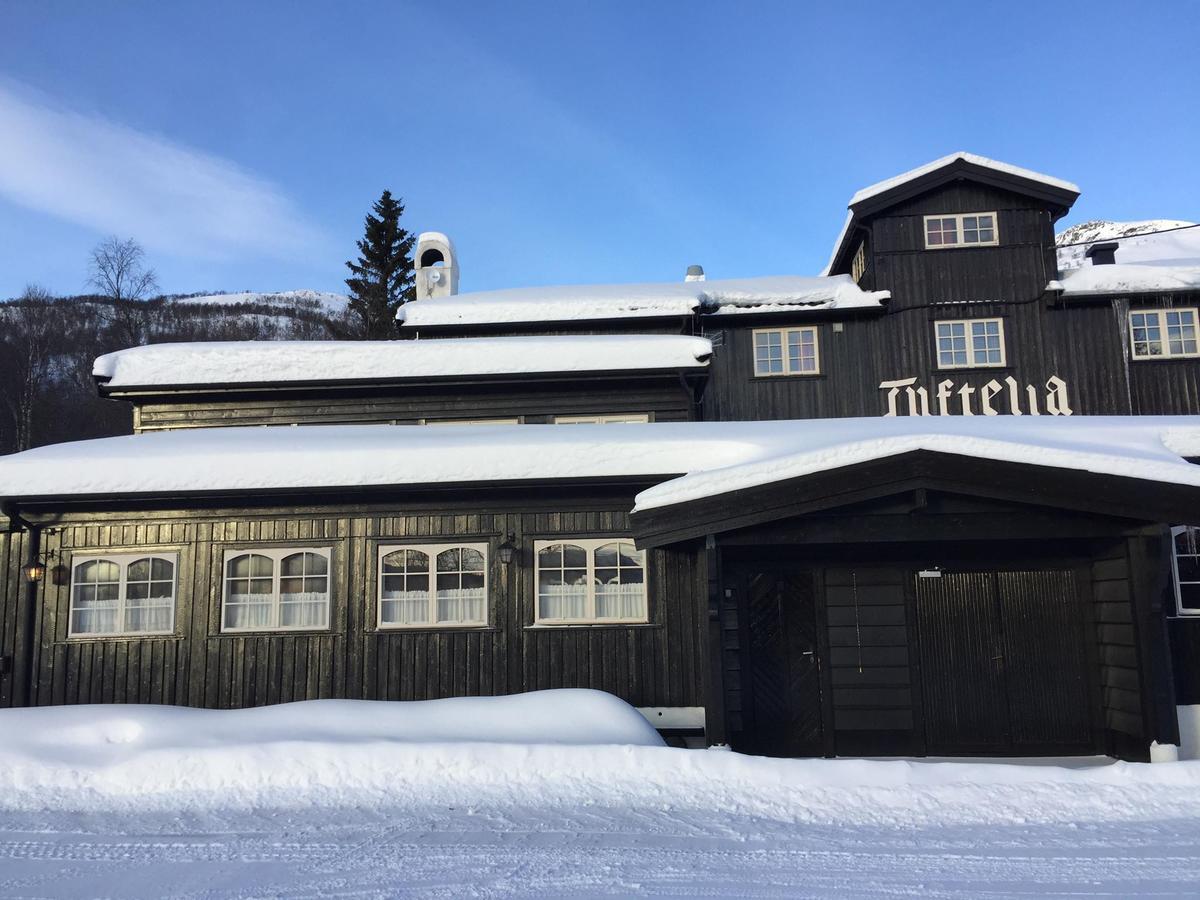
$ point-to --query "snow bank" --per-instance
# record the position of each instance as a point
(108, 734)
(258, 362)
(337, 754)
(620, 301)
(888, 184)
(1130, 279)
(711, 457)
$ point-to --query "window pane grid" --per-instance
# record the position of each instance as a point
(122, 594)
(960, 230)
(276, 590)
(433, 584)
(585, 582)
(1187, 569)
(786, 351)
(1163, 333)
(969, 343)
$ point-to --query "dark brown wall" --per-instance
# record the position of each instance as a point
(663, 397)
(1120, 681)
(649, 665)
(13, 603)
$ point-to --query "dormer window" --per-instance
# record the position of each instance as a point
(858, 265)
(966, 230)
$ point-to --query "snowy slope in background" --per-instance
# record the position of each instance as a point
(1162, 242)
(315, 301)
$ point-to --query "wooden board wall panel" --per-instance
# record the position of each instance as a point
(1120, 676)
(200, 666)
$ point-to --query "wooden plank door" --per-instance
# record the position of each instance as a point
(1004, 664)
(1045, 660)
(784, 662)
(962, 664)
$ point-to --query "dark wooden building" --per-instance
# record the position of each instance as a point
(944, 551)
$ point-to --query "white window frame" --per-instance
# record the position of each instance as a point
(1175, 580)
(604, 419)
(277, 555)
(122, 561)
(784, 334)
(512, 420)
(1164, 340)
(858, 265)
(431, 550)
(960, 237)
(971, 362)
(589, 545)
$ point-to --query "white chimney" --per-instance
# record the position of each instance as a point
(436, 266)
(694, 273)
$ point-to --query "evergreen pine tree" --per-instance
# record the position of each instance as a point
(383, 276)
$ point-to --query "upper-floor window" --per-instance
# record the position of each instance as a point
(127, 593)
(603, 419)
(1163, 333)
(965, 230)
(1187, 569)
(786, 351)
(969, 343)
(858, 265)
(589, 582)
(276, 590)
(432, 585)
(510, 421)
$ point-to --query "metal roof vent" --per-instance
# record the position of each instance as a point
(694, 273)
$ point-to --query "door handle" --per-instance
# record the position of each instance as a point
(807, 653)
(994, 658)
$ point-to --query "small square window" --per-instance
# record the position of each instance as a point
(969, 343)
(786, 351)
(960, 230)
(1165, 333)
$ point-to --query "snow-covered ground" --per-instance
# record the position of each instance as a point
(369, 800)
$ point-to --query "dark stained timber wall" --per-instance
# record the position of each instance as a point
(663, 397)
(648, 665)
(1120, 681)
(12, 605)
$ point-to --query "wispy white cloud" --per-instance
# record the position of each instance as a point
(98, 173)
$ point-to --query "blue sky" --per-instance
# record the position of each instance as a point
(556, 142)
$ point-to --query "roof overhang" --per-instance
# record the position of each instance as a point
(1137, 499)
(1058, 198)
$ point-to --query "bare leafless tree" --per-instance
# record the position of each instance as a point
(118, 272)
(28, 337)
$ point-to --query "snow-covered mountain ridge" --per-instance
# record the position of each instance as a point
(1160, 242)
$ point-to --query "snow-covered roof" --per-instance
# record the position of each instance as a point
(702, 458)
(622, 301)
(260, 362)
(1121, 278)
(974, 159)
(1160, 242)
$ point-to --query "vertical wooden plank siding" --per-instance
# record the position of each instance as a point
(655, 664)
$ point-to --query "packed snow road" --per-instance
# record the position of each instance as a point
(562, 794)
(581, 850)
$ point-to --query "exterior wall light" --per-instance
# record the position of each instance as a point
(34, 571)
(507, 550)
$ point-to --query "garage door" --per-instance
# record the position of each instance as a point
(1004, 663)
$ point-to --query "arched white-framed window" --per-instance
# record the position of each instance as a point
(433, 585)
(588, 582)
(122, 594)
(1185, 567)
(286, 589)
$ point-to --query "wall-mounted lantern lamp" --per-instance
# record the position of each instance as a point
(36, 570)
(507, 549)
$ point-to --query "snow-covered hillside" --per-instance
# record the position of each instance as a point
(1163, 242)
(324, 302)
